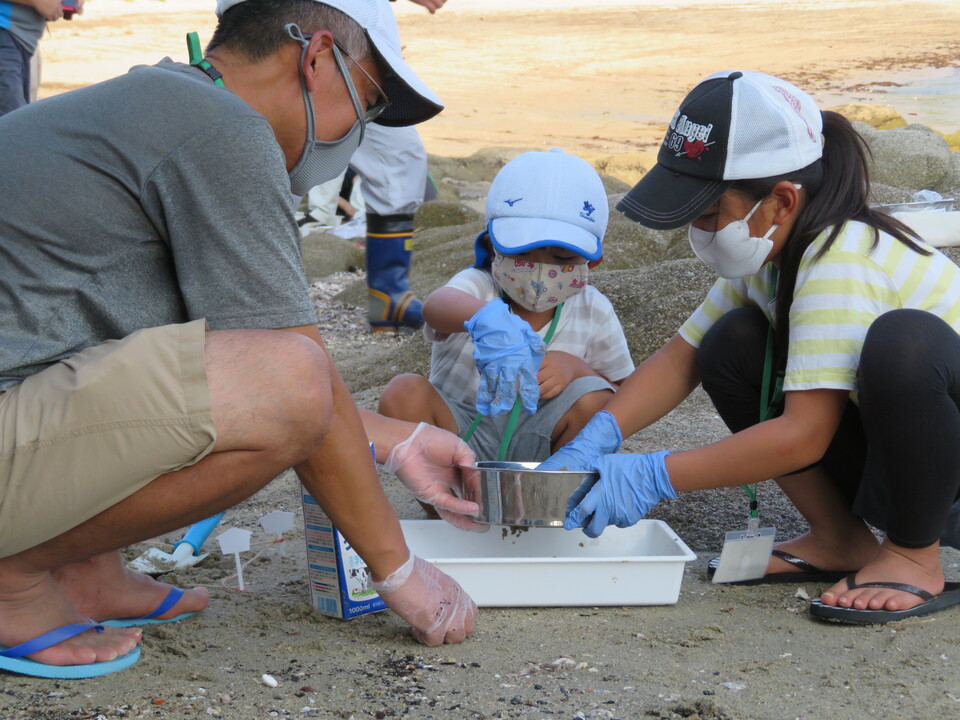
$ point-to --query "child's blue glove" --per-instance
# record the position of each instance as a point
(600, 436)
(508, 354)
(628, 488)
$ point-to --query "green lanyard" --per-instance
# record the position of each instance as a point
(196, 59)
(768, 401)
(517, 405)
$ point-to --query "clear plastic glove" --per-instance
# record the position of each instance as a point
(628, 488)
(436, 466)
(431, 601)
(508, 354)
(600, 436)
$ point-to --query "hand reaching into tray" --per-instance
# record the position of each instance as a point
(628, 488)
(431, 601)
(435, 466)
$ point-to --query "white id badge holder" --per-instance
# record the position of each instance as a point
(746, 553)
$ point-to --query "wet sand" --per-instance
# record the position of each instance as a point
(597, 78)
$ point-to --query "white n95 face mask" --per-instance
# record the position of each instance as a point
(731, 251)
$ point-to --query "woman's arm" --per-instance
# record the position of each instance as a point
(656, 387)
(799, 437)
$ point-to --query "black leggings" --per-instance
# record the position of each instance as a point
(897, 456)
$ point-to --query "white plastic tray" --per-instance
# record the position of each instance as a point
(940, 229)
(552, 567)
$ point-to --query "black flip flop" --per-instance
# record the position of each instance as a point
(805, 572)
(931, 604)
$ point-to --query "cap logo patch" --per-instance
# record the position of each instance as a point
(511, 203)
(794, 103)
(686, 137)
(587, 211)
(694, 149)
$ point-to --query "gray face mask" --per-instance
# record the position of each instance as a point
(321, 160)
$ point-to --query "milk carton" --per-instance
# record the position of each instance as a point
(338, 576)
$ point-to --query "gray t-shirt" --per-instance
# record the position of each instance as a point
(24, 23)
(149, 199)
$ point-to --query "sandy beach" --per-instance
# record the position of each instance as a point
(600, 79)
(597, 78)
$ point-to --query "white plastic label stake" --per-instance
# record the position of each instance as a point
(233, 542)
(745, 555)
(277, 523)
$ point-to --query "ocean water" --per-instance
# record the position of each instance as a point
(929, 96)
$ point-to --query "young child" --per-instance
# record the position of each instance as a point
(523, 321)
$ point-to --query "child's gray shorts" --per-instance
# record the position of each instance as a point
(531, 439)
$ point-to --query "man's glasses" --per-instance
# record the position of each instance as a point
(382, 103)
(365, 116)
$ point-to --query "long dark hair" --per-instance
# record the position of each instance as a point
(838, 186)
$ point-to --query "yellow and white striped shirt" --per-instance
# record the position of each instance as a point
(836, 300)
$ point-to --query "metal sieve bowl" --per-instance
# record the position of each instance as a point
(513, 493)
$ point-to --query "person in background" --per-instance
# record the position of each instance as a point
(391, 163)
(829, 346)
(22, 23)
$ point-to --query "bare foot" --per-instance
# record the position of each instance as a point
(33, 604)
(893, 563)
(852, 552)
(104, 589)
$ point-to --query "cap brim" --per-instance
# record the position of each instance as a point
(512, 235)
(411, 101)
(664, 199)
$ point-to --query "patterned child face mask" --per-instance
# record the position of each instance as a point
(538, 286)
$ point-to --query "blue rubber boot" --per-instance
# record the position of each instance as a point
(390, 303)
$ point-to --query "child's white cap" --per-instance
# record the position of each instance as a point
(549, 198)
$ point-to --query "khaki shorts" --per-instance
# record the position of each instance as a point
(82, 435)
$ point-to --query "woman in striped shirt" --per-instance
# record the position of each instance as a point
(829, 346)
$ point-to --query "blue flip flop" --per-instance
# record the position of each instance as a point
(12, 659)
(172, 598)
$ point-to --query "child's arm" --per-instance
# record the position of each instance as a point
(559, 369)
(446, 309)
(602, 353)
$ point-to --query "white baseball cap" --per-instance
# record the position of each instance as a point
(551, 198)
(411, 101)
(734, 125)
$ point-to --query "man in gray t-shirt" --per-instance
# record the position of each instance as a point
(159, 355)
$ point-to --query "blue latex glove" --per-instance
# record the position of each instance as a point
(600, 436)
(628, 488)
(508, 354)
